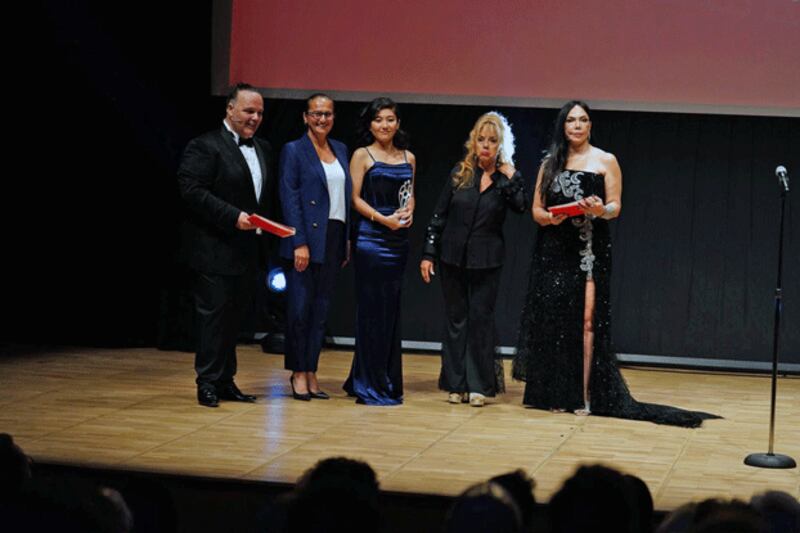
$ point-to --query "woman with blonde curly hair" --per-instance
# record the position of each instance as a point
(465, 238)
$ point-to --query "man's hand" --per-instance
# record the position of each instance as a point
(244, 224)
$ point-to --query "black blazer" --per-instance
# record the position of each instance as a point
(466, 228)
(216, 185)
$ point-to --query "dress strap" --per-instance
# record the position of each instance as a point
(405, 158)
(368, 175)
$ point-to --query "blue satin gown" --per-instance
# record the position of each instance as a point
(376, 376)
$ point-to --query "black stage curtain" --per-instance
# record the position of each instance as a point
(695, 249)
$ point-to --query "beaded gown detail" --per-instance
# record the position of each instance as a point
(550, 345)
(380, 257)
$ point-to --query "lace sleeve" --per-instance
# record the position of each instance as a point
(513, 191)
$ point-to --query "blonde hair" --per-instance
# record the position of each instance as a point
(465, 174)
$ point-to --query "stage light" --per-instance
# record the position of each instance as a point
(276, 280)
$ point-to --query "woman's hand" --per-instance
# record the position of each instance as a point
(406, 214)
(347, 254)
(508, 170)
(393, 221)
(592, 205)
(555, 220)
(426, 269)
(301, 258)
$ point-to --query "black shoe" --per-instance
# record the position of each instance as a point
(232, 392)
(319, 395)
(304, 397)
(207, 397)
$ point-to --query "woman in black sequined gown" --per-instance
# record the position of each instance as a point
(564, 348)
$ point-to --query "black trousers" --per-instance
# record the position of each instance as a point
(221, 302)
(468, 350)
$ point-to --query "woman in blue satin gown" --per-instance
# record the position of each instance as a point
(383, 194)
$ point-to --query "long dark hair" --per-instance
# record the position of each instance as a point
(556, 156)
(369, 112)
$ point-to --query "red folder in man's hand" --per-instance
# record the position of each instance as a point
(271, 226)
(571, 209)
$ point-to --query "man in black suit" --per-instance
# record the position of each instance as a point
(225, 175)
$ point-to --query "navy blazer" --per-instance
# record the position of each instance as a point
(304, 196)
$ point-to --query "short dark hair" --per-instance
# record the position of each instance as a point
(520, 487)
(595, 497)
(337, 494)
(318, 95)
(15, 466)
(484, 507)
(239, 87)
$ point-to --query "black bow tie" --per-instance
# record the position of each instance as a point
(246, 142)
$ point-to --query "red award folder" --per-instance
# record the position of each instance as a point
(571, 209)
(271, 226)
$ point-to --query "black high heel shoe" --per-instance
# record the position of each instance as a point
(297, 396)
(319, 395)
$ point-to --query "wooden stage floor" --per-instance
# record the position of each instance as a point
(135, 409)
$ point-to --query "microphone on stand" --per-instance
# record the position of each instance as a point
(783, 177)
(772, 459)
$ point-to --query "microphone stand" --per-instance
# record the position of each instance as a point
(771, 459)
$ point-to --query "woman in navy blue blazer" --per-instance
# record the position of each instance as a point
(315, 189)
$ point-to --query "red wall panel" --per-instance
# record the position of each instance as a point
(635, 54)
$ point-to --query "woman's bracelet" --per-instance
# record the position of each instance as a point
(609, 209)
